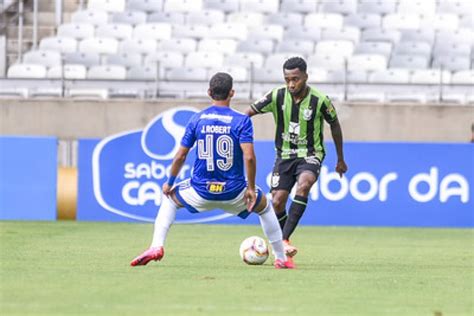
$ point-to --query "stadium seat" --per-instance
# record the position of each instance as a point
(48, 58)
(187, 74)
(166, 59)
(95, 17)
(357, 76)
(397, 21)
(380, 48)
(115, 30)
(137, 45)
(206, 17)
(458, 7)
(460, 36)
(129, 17)
(145, 5)
(339, 6)
(391, 75)
(181, 45)
(264, 46)
(430, 76)
(156, 31)
(268, 31)
(204, 59)
(222, 5)
(183, 5)
(409, 62)
(106, 5)
(277, 60)
(108, 72)
(301, 6)
(381, 35)
(452, 63)
(303, 33)
(363, 20)
(451, 49)
(262, 6)
(167, 17)
(27, 71)
(426, 35)
(463, 77)
(147, 72)
(324, 20)
(329, 62)
(348, 33)
(71, 71)
(377, 6)
(317, 75)
(268, 74)
(446, 21)
(304, 47)
(225, 46)
(76, 30)
(124, 59)
(228, 30)
(467, 21)
(341, 48)
(413, 48)
(367, 62)
(191, 31)
(98, 45)
(247, 18)
(59, 44)
(285, 19)
(421, 7)
(86, 59)
(238, 73)
(245, 60)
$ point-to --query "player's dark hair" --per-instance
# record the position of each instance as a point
(295, 62)
(220, 86)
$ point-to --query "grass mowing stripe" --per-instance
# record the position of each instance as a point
(58, 268)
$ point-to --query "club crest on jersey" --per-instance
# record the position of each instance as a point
(307, 113)
(275, 180)
(216, 187)
(294, 128)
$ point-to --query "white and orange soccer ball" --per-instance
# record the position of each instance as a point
(254, 250)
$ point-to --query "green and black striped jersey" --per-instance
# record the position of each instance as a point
(299, 126)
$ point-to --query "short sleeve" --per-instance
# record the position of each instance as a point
(328, 111)
(265, 104)
(189, 134)
(246, 133)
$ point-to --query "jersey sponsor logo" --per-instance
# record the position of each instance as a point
(213, 116)
(294, 139)
(294, 128)
(129, 169)
(216, 187)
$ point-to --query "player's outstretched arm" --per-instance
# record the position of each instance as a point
(178, 162)
(251, 169)
(250, 112)
(336, 132)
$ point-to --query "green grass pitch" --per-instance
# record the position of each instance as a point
(64, 268)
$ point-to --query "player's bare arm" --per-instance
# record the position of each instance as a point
(178, 162)
(251, 169)
(250, 112)
(336, 132)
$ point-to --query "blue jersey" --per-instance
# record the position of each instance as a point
(218, 172)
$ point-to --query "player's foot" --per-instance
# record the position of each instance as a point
(290, 250)
(153, 253)
(280, 264)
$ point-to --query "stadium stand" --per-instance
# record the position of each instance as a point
(369, 42)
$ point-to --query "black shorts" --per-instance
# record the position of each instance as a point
(286, 171)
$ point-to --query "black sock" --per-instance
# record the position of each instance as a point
(296, 211)
(282, 218)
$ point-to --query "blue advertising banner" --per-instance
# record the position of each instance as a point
(388, 184)
(28, 177)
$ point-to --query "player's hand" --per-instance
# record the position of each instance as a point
(250, 199)
(341, 167)
(167, 189)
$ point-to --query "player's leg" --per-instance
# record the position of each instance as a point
(283, 179)
(164, 219)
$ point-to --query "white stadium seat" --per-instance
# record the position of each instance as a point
(262, 46)
(303, 32)
(107, 72)
(129, 17)
(329, 62)
(368, 62)
(157, 31)
(446, 21)
(421, 7)
(247, 18)
(187, 74)
(381, 35)
(426, 35)
(430, 76)
(124, 59)
(467, 21)
(118, 31)
(317, 75)
(70, 71)
(391, 75)
(48, 58)
(277, 60)
(145, 5)
(458, 7)
(451, 49)
(204, 59)
(268, 31)
(262, 6)
(183, 5)
(324, 20)
(463, 77)
(285, 19)
(339, 6)
(95, 17)
(349, 33)
(207, 17)
(107, 5)
(452, 63)
(147, 72)
(268, 74)
(59, 44)
(225, 46)
(167, 17)
(397, 21)
(460, 36)
(137, 45)
(304, 47)
(99, 45)
(86, 59)
(301, 6)
(380, 48)
(181, 45)
(222, 5)
(26, 71)
(196, 31)
(245, 60)
(238, 73)
(409, 61)
(228, 30)
(341, 48)
(76, 30)
(377, 6)
(363, 20)
(413, 48)
(166, 59)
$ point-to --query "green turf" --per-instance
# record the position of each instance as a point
(60, 268)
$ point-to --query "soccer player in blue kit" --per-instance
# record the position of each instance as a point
(224, 140)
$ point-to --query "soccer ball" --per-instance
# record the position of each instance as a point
(254, 250)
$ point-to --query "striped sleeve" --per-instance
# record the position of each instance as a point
(328, 110)
(265, 104)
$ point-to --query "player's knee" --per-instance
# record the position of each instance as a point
(278, 203)
(261, 205)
